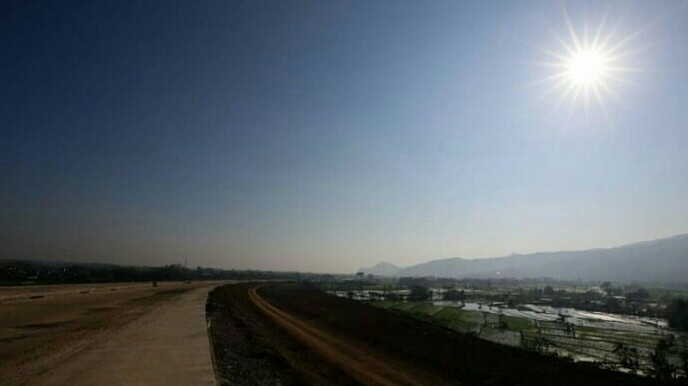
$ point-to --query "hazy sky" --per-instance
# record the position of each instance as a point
(325, 136)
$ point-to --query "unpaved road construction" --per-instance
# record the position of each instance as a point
(108, 334)
(361, 362)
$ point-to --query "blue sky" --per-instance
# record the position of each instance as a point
(325, 136)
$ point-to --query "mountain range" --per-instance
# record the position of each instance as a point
(663, 260)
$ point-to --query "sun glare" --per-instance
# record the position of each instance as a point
(588, 66)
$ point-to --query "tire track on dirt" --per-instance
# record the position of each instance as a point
(364, 365)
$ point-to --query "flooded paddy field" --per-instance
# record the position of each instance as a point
(469, 352)
(620, 342)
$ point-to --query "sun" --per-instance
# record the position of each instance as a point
(588, 66)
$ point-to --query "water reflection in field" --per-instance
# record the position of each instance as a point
(571, 315)
(620, 342)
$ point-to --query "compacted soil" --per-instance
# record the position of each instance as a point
(106, 334)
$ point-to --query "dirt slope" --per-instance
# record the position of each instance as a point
(363, 363)
(423, 351)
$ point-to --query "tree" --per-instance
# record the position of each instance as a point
(607, 288)
(628, 356)
(639, 295)
(677, 314)
(684, 361)
(537, 344)
(455, 295)
(661, 368)
(360, 276)
(570, 328)
(503, 324)
(549, 291)
(420, 293)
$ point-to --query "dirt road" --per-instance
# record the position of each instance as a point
(105, 335)
(365, 365)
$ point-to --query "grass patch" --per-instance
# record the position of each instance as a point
(519, 324)
(385, 304)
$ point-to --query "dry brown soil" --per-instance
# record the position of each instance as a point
(106, 334)
(364, 363)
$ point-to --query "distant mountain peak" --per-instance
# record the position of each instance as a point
(381, 269)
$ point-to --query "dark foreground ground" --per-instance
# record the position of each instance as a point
(251, 350)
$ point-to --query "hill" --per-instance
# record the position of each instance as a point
(664, 260)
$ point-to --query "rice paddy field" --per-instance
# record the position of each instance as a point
(619, 342)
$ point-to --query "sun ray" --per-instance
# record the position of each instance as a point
(548, 79)
(565, 95)
(611, 92)
(569, 26)
(600, 28)
(616, 79)
(574, 99)
(621, 43)
(570, 50)
(625, 54)
(600, 100)
(550, 64)
(621, 69)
